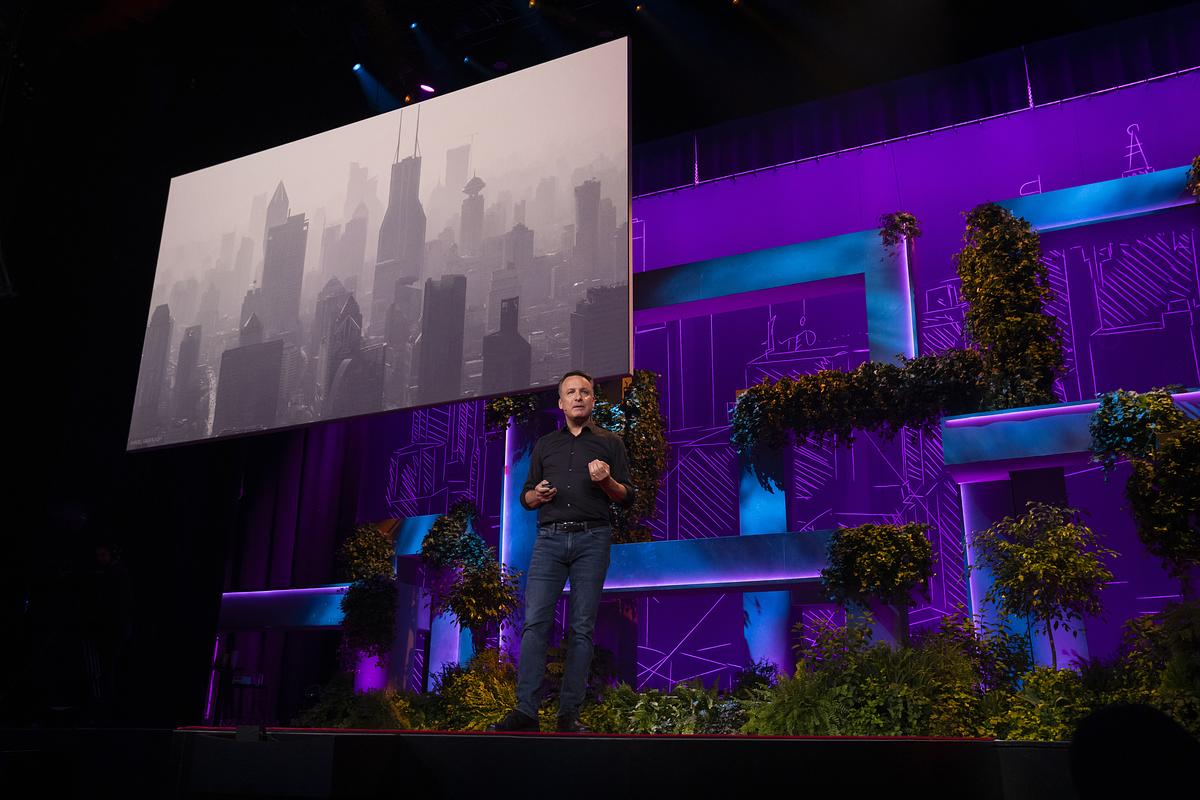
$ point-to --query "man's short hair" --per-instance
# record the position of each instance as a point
(575, 372)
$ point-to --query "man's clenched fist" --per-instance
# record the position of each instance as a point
(598, 470)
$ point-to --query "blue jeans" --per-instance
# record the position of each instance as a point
(583, 557)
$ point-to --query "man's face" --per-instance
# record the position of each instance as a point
(575, 398)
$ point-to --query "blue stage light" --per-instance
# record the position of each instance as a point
(357, 67)
(412, 26)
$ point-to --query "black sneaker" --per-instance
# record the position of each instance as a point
(515, 721)
(571, 724)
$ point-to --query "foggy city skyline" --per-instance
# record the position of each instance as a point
(304, 282)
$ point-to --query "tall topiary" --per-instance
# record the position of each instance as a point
(369, 603)
(885, 563)
(1007, 289)
(639, 422)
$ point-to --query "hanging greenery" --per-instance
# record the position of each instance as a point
(472, 584)
(1046, 566)
(369, 603)
(639, 423)
(1163, 448)
(898, 226)
(517, 408)
(1193, 179)
(1007, 289)
(884, 563)
(1014, 355)
(1126, 425)
(451, 544)
(877, 397)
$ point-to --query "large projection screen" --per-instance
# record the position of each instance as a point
(468, 245)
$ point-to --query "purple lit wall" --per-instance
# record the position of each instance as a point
(1126, 289)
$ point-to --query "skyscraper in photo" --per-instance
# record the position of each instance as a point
(283, 275)
(600, 332)
(443, 317)
(278, 211)
(185, 395)
(248, 386)
(152, 376)
(401, 252)
(352, 249)
(507, 357)
(342, 343)
(587, 229)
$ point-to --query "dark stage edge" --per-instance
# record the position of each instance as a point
(297, 763)
(289, 762)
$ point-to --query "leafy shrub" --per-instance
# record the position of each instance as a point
(339, 706)
(473, 696)
(688, 708)
(1047, 708)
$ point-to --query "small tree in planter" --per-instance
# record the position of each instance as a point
(369, 604)
(472, 584)
(1046, 567)
(885, 563)
(1007, 288)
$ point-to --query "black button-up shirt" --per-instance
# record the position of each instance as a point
(562, 458)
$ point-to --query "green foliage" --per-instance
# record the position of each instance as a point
(451, 544)
(369, 603)
(847, 685)
(878, 397)
(472, 697)
(1045, 565)
(1007, 289)
(1163, 489)
(472, 585)
(688, 708)
(1127, 425)
(1047, 708)
(885, 563)
(897, 226)
(369, 617)
(339, 706)
(480, 598)
(639, 423)
(1193, 179)
(519, 408)
(998, 657)
(367, 552)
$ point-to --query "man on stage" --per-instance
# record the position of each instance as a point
(575, 472)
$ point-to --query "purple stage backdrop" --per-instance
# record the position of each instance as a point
(1126, 290)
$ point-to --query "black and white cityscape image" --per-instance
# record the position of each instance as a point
(469, 245)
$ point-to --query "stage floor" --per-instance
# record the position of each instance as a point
(198, 762)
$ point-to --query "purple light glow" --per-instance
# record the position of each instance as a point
(212, 679)
(425, 87)
(336, 588)
(1042, 412)
(505, 509)
(715, 581)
